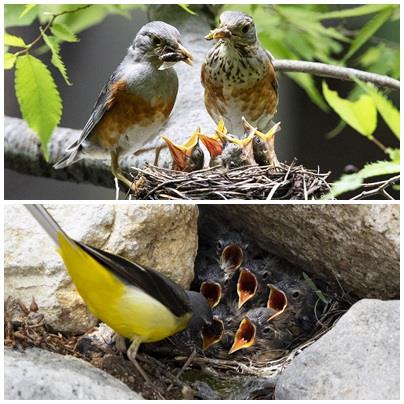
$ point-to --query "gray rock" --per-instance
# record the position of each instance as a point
(163, 237)
(358, 244)
(359, 359)
(37, 374)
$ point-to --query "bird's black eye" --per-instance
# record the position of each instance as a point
(295, 294)
(232, 164)
(220, 245)
(245, 29)
(257, 140)
(156, 41)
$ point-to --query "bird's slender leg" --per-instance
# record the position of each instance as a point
(186, 364)
(120, 343)
(132, 351)
(116, 170)
(157, 155)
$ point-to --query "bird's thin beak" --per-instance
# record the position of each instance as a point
(232, 257)
(245, 336)
(221, 130)
(270, 134)
(243, 143)
(212, 333)
(246, 286)
(218, 33)
(214, 146)
(187, 56)
(277, 301)
(212, 292)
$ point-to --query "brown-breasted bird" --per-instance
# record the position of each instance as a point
(215, 144)
(135, 102)
(264, 145)
(187, 157)
(238, 75)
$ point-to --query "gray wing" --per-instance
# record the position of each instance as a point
(99, 109)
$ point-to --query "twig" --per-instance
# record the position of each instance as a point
(379, 190)
(336, 72)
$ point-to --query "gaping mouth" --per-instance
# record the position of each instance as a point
(214, 146)
(218, 33)
(270, 134)
(181, 54)
(277, 301)
(231, 258)
(245, 336)
(212, 292)
(212, 333)
(246, 286)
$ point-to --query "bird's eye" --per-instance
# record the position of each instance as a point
(232, 164)
(220, 245)
(245, 29)
(257, 140)
(156, 41)
(295, 294)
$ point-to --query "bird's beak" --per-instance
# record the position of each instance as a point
(185, 54)
(246, 286)
(221, 130)
(243, 143)
(219, 33)
(245, 336)
(232, 257)
(270, 134)
(277, 301)
(248, 128)
(212, 333)
(181, 153)
(213, 144)
(212, 292)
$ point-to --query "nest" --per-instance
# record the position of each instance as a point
(286, 182)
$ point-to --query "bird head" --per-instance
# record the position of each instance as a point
(236, 27)
(215, 143)
(264, 146)
(245, 336)
(187, 157)
(161, 42)
(212, 333)
(247, 285)
(212, 292)
(277, 301)
(238, 152)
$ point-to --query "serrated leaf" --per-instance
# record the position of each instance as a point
(56, 59)
(379, 168)
(360, 114)
(15, 41)
(9, 60)
(63, 33)
(385, 107)
(13, 16)
(38, 97)
(27, 9)
(368, 31)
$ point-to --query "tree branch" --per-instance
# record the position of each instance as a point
(335, 72)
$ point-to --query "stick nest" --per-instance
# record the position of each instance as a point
(286, 182)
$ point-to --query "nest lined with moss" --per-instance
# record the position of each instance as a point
(249, 183)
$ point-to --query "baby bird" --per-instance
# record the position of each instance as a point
(187, 157)
(215, 144)
(238, 152)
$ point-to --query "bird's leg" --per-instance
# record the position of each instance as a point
(120, 343)
(157, 155)
(132, 351)
(116, 170)
(181, 371)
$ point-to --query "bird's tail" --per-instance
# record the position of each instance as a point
(47, 222)
(72, 156)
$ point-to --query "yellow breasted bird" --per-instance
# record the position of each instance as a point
(138, 303)
(187, 157)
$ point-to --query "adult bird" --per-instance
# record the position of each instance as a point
(138, 303)
(136, 101)
(187, 157)
(238, 75)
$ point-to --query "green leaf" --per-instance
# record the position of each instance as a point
(56, 60)
(63, 33)
(313, 286)
(27, 9)
(187, 9)
(379, 168)
(38, 97)
(354, 11)
(368, 31)
(394, 154)
(15, 41)
(9, 60)
(360, 114)
(385, 107)
(13, 15)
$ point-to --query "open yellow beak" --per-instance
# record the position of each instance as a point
(277, 301)
(212, 292)
(213, 333)
(213, 144)
(245, 336)
(270, 134)
(247, 285)
(188, 59)
(218, 33)
(243, 143)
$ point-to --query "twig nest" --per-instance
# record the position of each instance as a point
(285, 182)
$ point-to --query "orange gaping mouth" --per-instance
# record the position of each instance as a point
(246, 286)
(277, 301)
(212, 292)
(231, 258)
(212, 333)
(245, 336)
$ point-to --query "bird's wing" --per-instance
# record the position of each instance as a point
(274, 80)
(104, 102)
(151, 282)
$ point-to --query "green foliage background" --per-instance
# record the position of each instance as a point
(300, 32)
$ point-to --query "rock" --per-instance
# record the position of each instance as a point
(37, 374)
(163, 237)
(358, 244)
(359, 359)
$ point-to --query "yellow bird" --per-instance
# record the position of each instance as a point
(138, 303)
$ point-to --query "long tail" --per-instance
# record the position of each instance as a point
(47, 222)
